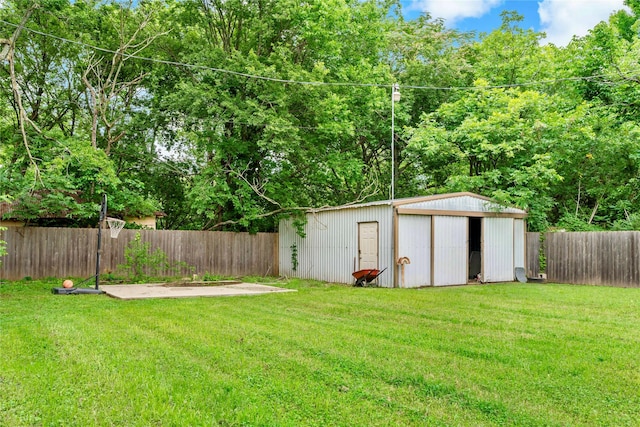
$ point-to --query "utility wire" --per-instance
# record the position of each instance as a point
(202, 67)
(308, 83)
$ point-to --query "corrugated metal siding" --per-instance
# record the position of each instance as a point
(498, 250)
(329, 252)
(414, 242)
(450, 250)
(519, 243)
(463, 203)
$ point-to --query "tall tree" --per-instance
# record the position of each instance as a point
(495, 142)
(50, 172)
(270, 145)
(509, 55)
(429, 61)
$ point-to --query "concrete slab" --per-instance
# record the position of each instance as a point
(159, 290)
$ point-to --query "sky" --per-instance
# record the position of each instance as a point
(559, 19)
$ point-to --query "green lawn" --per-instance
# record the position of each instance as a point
(327, 356)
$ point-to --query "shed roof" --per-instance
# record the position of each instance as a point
(450, 202)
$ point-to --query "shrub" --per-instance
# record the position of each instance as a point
(3, 246)
(141, 263)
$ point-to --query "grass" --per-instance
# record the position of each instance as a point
(327, 355)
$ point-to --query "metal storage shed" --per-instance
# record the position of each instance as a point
(440, 240)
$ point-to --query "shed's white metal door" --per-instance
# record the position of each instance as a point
(450, 264)
(368, 245)
(414, 243)
(498, 250)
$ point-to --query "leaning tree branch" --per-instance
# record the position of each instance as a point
(10, 44)
(626, 76)
(8, 53)
(369, 190)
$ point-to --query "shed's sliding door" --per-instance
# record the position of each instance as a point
(415, 244)
(450, 264)
(498, 250)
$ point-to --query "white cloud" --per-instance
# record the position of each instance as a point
(562, 19)
(455, 10)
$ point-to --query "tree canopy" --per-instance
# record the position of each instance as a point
(230, 114)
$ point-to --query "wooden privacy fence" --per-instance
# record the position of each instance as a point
(610, 258)
(596, 258)
(70, 252)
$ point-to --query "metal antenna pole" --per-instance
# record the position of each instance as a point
(393, 143)
(103, 216)
(395, 97)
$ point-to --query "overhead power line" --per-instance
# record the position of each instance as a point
(301, 82)
(202, 67)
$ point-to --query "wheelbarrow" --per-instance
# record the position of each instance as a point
(366, 276)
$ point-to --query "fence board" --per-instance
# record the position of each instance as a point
(67, 252)
(533, 249)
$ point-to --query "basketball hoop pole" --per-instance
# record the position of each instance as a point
(73, 291)
(103, 216)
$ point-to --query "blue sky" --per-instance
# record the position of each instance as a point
(560, 19)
